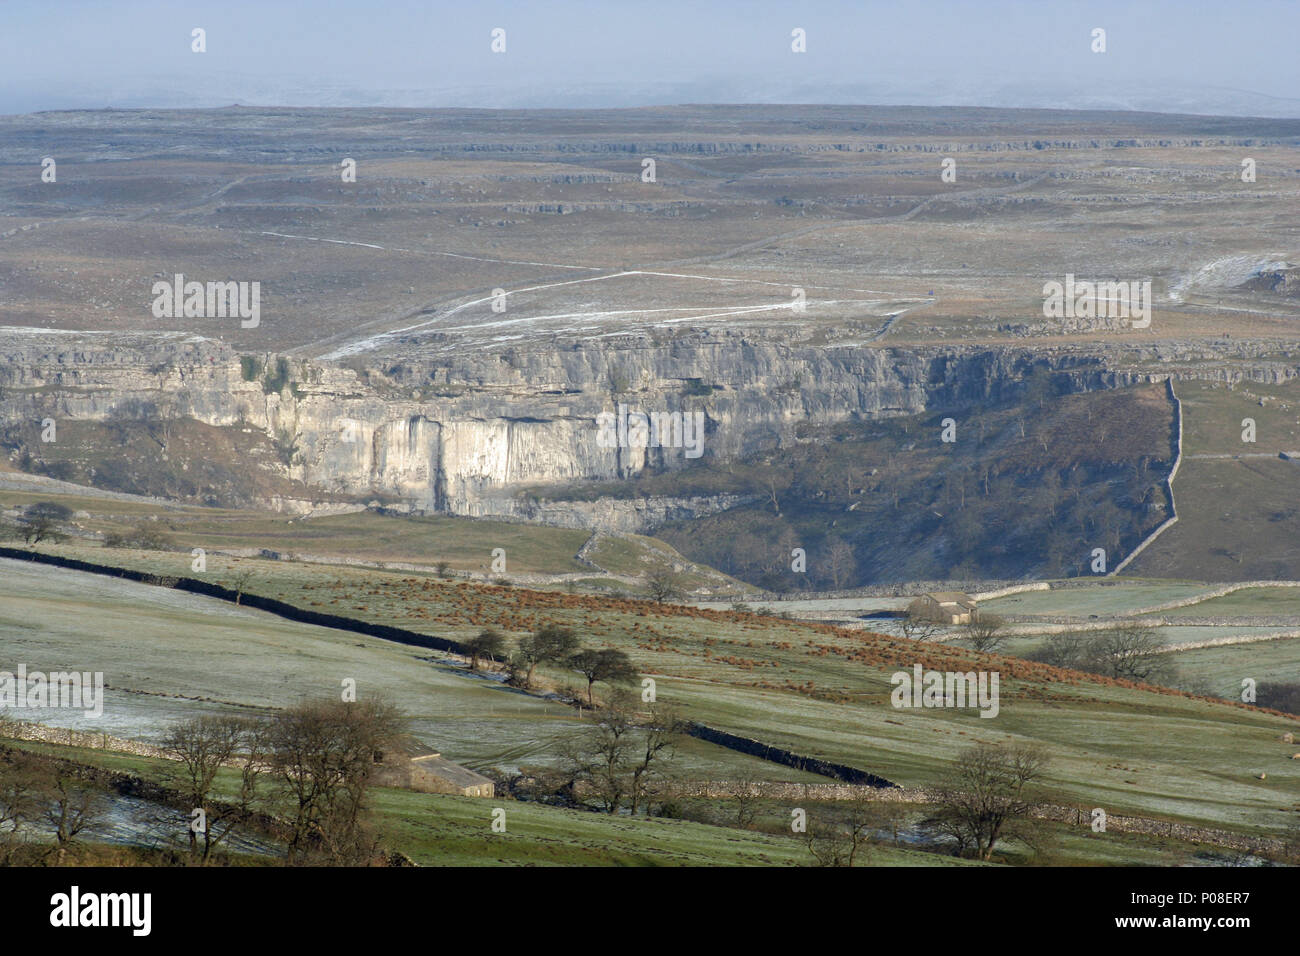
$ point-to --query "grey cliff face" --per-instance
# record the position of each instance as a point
(463, 435)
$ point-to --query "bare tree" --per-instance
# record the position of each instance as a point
(918, 624)
(324, 755)
(202, 746)
(663, 583)
(21, 782)
(610, 666)
(746, 793)
(846, 836)
(72, 807)
(241, 584)
(600, 759)
(1131, 652)
(1280, 695)
(985, 632)
(891, 480)
(488, 643)
(1069, 650)
(549, 645)
(658, 738)
(145, 536)
(621, 757)
(773, 486)
(841, 562)
(988, 798)
(891, 817)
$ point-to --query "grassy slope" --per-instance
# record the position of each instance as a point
(165, 653)
(1237, 519)
(439, 830)
(466, 544)
(825, 692)
(1245, 603)
(450, 831)
(1102, 599)
(1222, 669)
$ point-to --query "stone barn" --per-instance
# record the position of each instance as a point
(948, 607)
(413, 766)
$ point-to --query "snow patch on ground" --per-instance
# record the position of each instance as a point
(1226, 273)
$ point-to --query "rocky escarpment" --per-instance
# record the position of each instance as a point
(465, 433)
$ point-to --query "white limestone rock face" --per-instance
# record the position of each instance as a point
(405, 456)
(464, 434)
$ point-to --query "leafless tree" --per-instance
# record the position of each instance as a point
(1069, 650)
(72, 807)
(985, 632)
(21, 783)
(658, 736)
(324, 755)
(1131, 651)
(846, 834)
(663, 583)
(746, 793)
(918, 624)
(610, 666)
(602, 758)
(891, 480)
(773, 486)
(841, 562)
(241, 584)
(549, 645)
(621, 756)
(202, 746)
(989, 798)
(144, 535)
(891, 817)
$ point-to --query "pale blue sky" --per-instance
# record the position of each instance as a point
(1238, 56)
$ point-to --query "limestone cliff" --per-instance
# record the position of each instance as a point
(463, 433)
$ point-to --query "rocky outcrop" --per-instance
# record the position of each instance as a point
(466, 432)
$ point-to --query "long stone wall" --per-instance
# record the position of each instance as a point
(1169, 482)
(787, 758)
(208, 589)
(91, 740)
(1078, 816)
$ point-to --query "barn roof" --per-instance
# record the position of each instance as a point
(951, 597)
(409, 748)
(452, 772)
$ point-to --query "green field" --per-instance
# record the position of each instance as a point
(438, 830)
(1237, 518)
(1213, 412)
(165, 653)
(1104, 600)
(812, 689)
(1173, 635)
(1222, 669)
(466, 545)
(1270, 602)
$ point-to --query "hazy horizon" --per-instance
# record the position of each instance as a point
(1162, 56)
